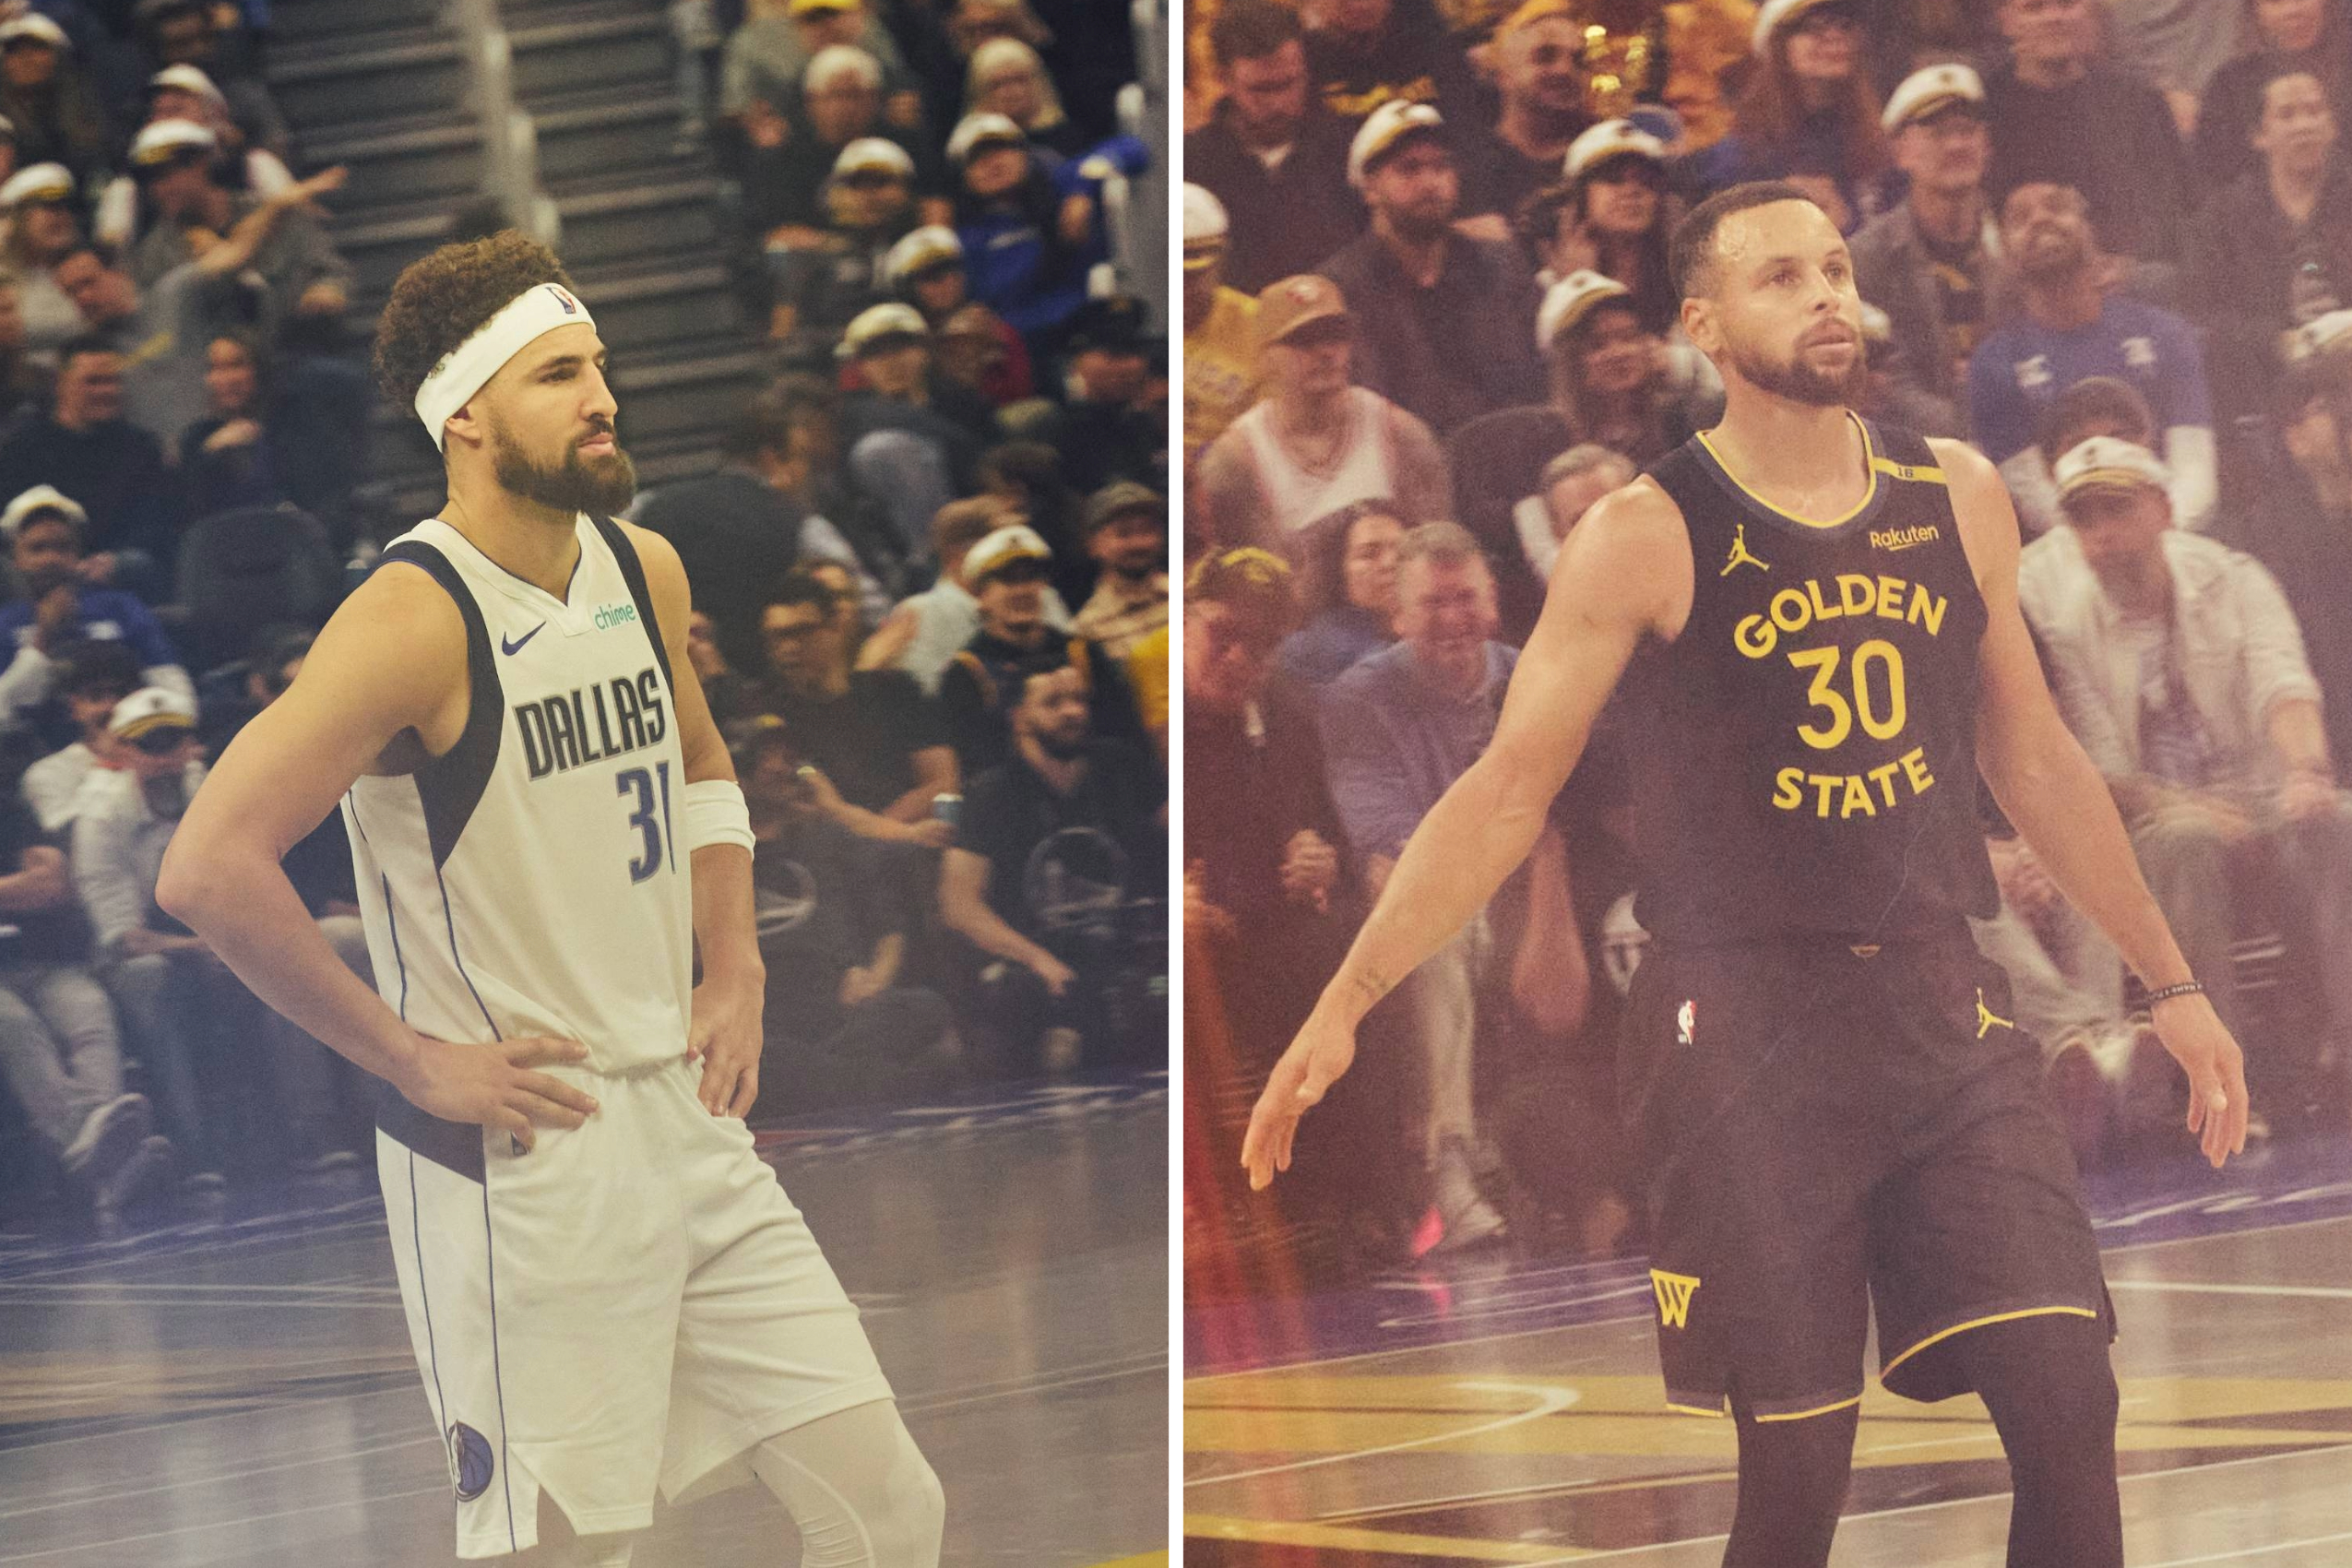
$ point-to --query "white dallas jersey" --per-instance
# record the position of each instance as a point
(530, 881)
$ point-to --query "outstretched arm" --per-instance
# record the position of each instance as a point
(2061, 806)
(1624, 571)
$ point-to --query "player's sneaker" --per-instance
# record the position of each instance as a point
(1462, 1209)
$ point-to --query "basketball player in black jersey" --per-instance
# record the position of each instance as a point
(1818, 619)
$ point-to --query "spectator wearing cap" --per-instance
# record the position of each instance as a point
(1363, 55)
(2061, 116)
(1808, 114)
(1127, 536)
(2071, 328)
(302, 273)
(820, 280)
(977, 348)
(1398, 729)
(1007, 572)
(767, 58)
(1440, 315)
(833, 931)
(2314, 36)
(2274, 250)
(132, 505)
(1271, 153)
(1112, 421)
(1354, 593)
(1933, 262)
(192, 33)
(1317, 442)
(871, 733)
(1027, 228)
(923, 631)
(22, 382)
(1006, 76)
(2180, 668)
(65, 603)
(48, 96)
(44, 226)
(185, 93)
(1221, 328)
(1708, 44)
(788, 165)
(1613, 383)
(1536, 59)
(1266, 898)
(1610, 215)
(938, 431)
(94, 675)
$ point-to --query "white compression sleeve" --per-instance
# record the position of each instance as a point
(858, 1489)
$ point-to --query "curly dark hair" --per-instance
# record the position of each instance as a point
(444, 298)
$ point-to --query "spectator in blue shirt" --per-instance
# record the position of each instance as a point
(2073, 327)
(45, 531)
(1358, 591)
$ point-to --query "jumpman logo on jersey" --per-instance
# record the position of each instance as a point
(1674, 1292)
(1987, 1017)
(1739, 556)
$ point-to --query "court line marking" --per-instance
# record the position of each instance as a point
(1551, 1400)
(2195, 1287)
(440, 1490)
(1603, 1323)
(117, 1496)
(2254, 1550)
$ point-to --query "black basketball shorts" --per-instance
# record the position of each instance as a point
(1828, 1131)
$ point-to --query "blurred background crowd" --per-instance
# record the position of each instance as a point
(1428, 323)
(883, 296)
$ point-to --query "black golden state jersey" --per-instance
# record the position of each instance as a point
(1805, 750)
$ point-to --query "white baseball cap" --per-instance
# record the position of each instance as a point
(1774, 15)
(877, 322)
(919, 250)
(187, 78)
(38, 27)
(1013, 542)
(2106, 462)
(1383, 128)
(41, 182)
(1922, 93)
(40, 498)
(987, 129)
(162, 140)
(1205, 227)
(152, 707)
(874, 155)
(1611, 139)
(1571, 300)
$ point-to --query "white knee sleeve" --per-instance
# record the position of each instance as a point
(858, 1489)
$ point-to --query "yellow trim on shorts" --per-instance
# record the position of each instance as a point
(1696, 1410)
(1888, 1371)
(1817, 1411)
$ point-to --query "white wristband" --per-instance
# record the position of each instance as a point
(716, 815)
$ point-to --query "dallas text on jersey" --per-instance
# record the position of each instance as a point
(557, 731)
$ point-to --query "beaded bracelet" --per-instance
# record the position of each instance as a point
(2166, 994)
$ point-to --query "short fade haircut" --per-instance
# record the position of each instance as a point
(1691, 257)
(1251, 30)
(2094, 398)
(444, 298)
(1442, 544)
(802, 587)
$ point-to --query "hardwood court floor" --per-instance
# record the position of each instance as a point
(245, 1394)
(1512, 1412)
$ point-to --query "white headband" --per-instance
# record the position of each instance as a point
(468, 368)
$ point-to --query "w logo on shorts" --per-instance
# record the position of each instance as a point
(1674, 1292)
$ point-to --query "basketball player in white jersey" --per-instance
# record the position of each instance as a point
(608, 1291)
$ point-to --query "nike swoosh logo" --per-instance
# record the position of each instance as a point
(517, 645)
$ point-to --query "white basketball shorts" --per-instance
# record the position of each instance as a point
(636, 1304)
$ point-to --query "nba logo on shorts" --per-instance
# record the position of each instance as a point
(1685, 1021)
(470, 1452)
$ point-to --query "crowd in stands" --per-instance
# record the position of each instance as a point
(929, 567)
(1428, 323)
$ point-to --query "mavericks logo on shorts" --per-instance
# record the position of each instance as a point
(469, 1455)
(1674, 1292)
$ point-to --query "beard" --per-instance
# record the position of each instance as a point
(1059, 747)
(1796, 380)
(1420, 228)
(599, 486)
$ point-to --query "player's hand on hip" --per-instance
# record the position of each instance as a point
(1322, 1051)
(2193, 1032)
(494, 1086)
(725, 1038)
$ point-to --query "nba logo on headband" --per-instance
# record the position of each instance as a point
(571, 307)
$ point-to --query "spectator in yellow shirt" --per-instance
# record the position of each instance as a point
(1220, 329)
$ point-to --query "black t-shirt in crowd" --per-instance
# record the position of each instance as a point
(57, 934)
(735, 534)
(865, 739)
(1064, 865)
(821, 902)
